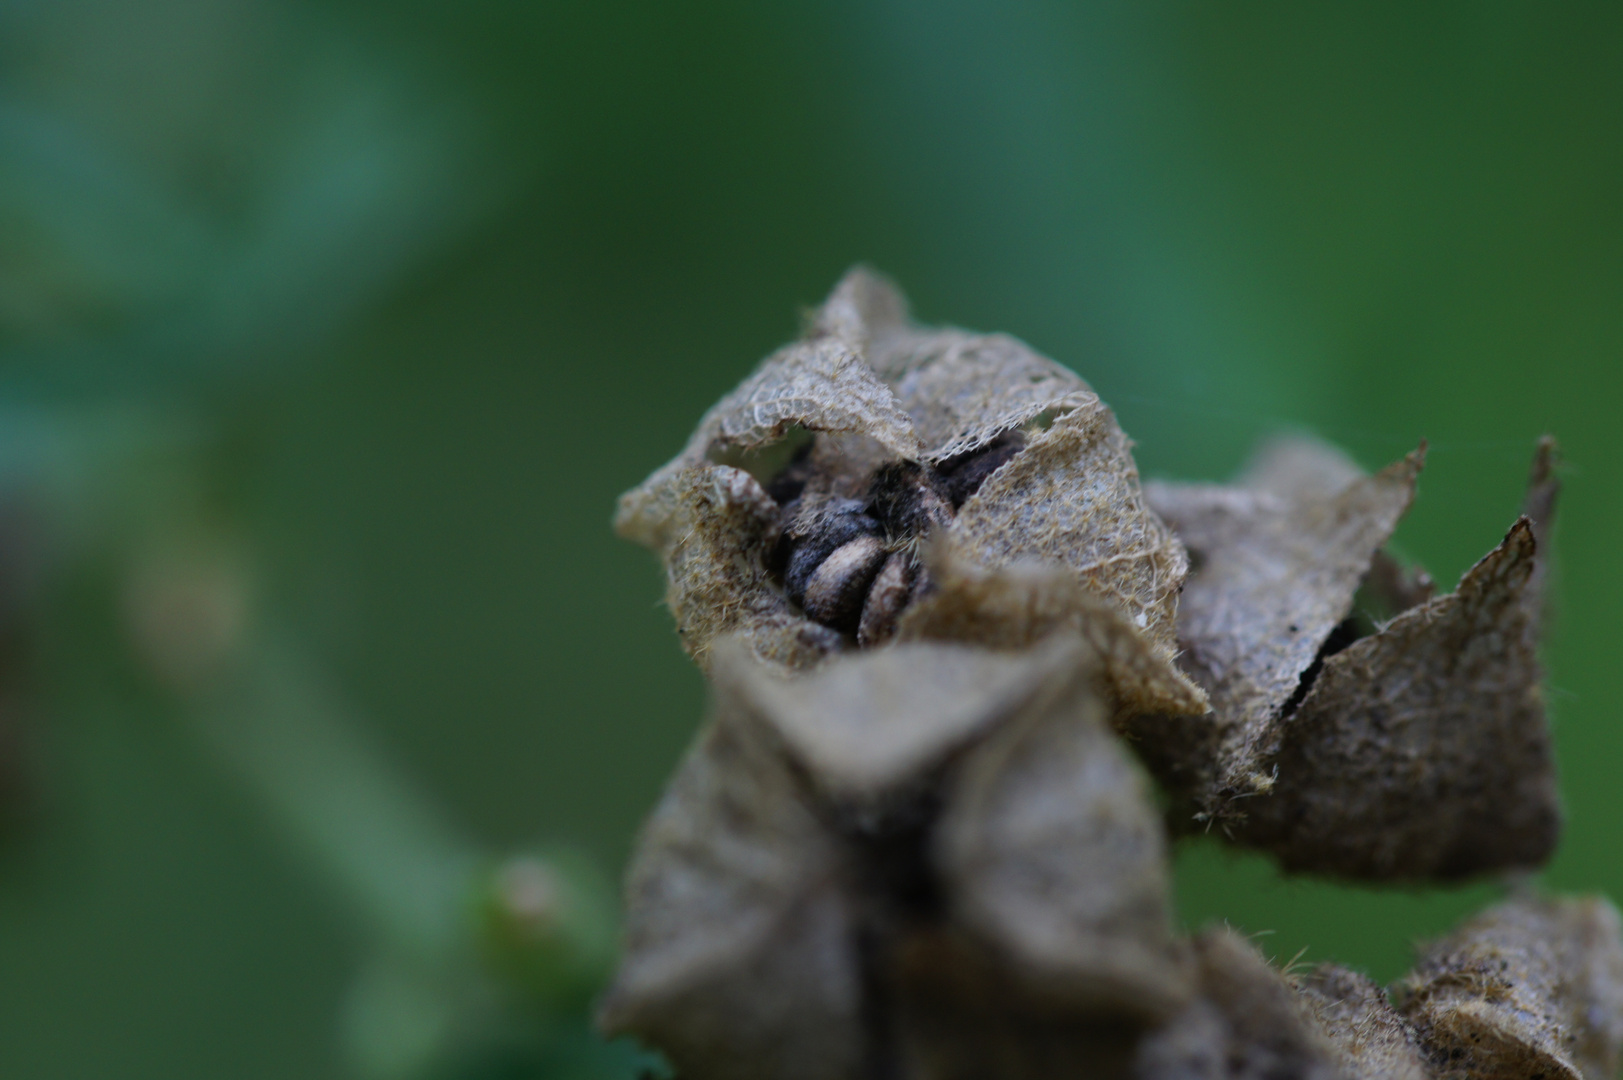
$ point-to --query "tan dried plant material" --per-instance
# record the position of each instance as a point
(1401, 740)
(812, 547)
(957, 1015)
(1530, 988)
(1244, 1023)
(715, 509)
(1280, 557)
(1422, 751)
(1371, 1041)
(736, 960)
(1023, 603)
(826, 825)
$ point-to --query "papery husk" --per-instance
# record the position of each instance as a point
(1072, 497)
(1053, 952)
(873, 387)
(1371, 1041)
(718, 527)
(1245, 1022)
(1050, 851)
(1023, 603)
(1418, 752)
(736, 961)
(824, 826)
(1422, 752)
(1280, 560)
(1531, 987)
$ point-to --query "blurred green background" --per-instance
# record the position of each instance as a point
(347, 321)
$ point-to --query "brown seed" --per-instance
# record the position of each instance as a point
(888, 595)
(835, 593)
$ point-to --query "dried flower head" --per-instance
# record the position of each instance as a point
(797, 515)
(935, 860)
(849, 862)
(1359, 727)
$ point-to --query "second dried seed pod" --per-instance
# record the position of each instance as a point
(850, 865)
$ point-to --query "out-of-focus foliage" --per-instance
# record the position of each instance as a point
(330, 330)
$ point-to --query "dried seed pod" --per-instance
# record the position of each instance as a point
(1245, 1023)
(935, 431)
(1047, 852)
(825, 825)
(1372, 1042)
(1531, 987)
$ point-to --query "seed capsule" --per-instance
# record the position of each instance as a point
(872, 425)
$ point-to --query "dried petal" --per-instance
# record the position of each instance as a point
(964, 390)
(885, 721)
(922, 803)
(818, 385)
(1053, 948)
(866, 310)
(1022, 604)
(1073, 497)
(1245, 1024)
(1531, 987)
(1371, 1040)
(718, 523)
(1279, 564)
(737, 959)
(1051, 852)
(1299, 469)
(1423, 751)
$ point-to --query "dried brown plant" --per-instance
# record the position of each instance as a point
(954, 646)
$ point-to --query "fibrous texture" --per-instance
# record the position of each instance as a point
(1357, 728)
(1281, 556)
(1369, 1039)
(1422, 750)
(1246, 1023)
(1532, 987)
(1021, 604)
